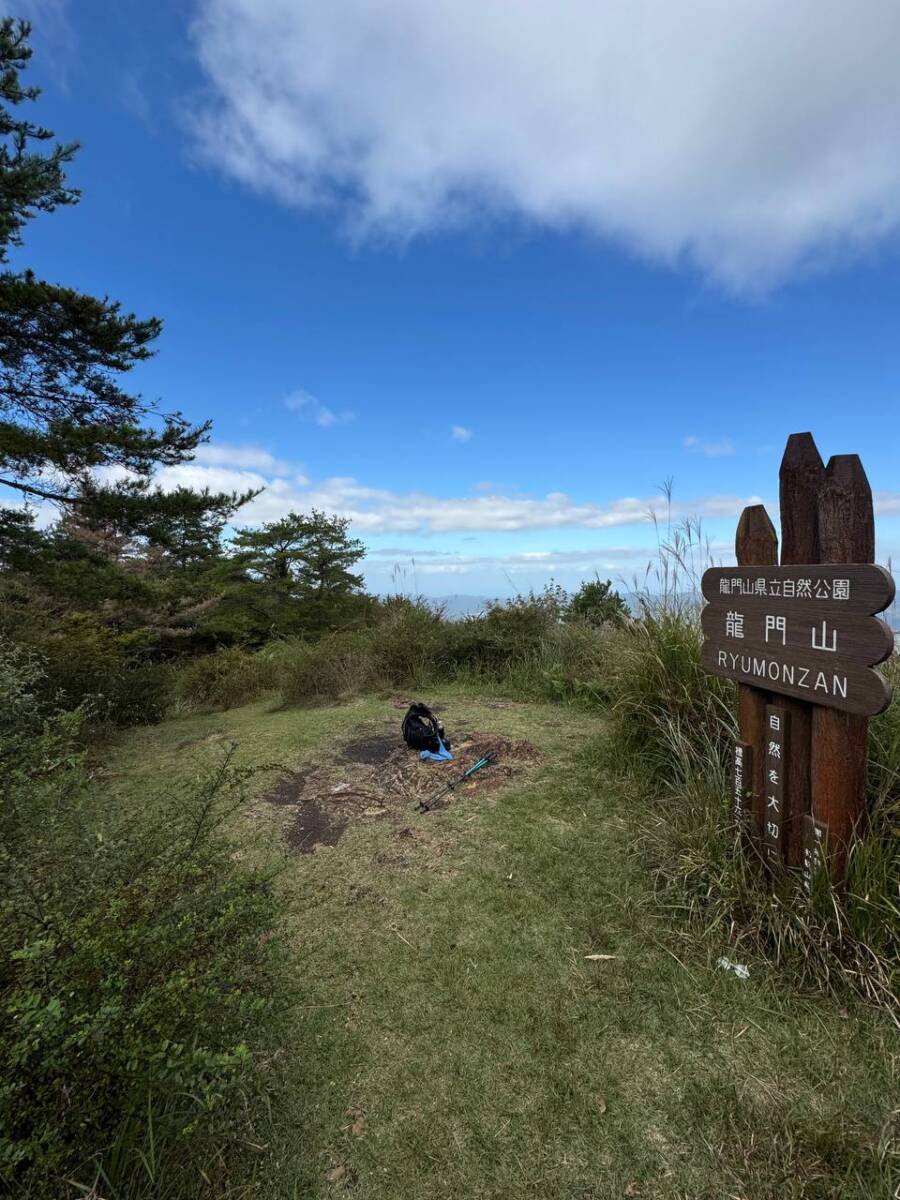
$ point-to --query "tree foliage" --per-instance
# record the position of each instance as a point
(30, 182)
(597, 603)
(312, 553)
(70, 432)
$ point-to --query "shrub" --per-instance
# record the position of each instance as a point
(21, 708)
(84, 660)
(226, 679)
(509, 635)
(597, 603)
(663, 697)
(137, 969)
(406, 642)
(332, 669)
(577, 664)
(521, 646)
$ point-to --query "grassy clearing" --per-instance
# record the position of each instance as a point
(453, 1039)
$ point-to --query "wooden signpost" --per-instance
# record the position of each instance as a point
(804, 634)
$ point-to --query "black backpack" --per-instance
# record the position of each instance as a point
(422, 730)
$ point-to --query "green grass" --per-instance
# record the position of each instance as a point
(453, 1039)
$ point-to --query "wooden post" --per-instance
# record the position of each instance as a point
(756, 545)
(839, 739)
(801, 479)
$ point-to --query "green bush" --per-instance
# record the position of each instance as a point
(508, 636)
(597, 603)
(226, 679)
(84, 660)
(137, 967)
(338, 666)
(522, 647)
(665, 700)
(405, 643)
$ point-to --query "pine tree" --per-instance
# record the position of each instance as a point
(312, 554)
(69, 432)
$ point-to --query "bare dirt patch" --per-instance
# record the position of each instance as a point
(314, 826)
(375, 777)
(369, 749)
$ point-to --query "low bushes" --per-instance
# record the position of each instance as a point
(118, 673)
(318, 672)
(226, 679)
(138, 968)
(523, 647)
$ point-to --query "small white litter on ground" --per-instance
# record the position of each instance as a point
(739, 969)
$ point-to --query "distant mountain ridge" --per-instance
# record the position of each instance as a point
(460, 604)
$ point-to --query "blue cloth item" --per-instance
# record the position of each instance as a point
(443, 755)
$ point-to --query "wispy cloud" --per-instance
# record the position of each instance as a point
(459, 433)
(222, 454)
(373, 510)
(312, 409)
(491, 486)
(711, 449)
(406, 117)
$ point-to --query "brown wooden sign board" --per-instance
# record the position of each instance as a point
(842, 638)
(856, 587)
(804, 637)
(851, 689)
(801, 631)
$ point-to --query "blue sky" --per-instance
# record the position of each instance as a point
(420, 269)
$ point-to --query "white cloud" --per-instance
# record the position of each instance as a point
(719, 449)
(751, 138)
(380, 510)
(459, 433)
(221, 453)
(313, 410)
(373, 510)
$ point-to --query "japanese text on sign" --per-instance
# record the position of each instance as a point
(773, 813)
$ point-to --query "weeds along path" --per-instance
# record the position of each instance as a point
(456, 1036)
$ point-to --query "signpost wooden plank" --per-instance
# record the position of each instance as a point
(800, 480)
(840, 740)
(755, 545)
(849, 688)
(848, 639)
(859, 588)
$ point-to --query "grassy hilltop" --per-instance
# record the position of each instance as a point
(326, 991)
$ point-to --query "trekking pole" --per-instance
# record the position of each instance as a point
(425, 806)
